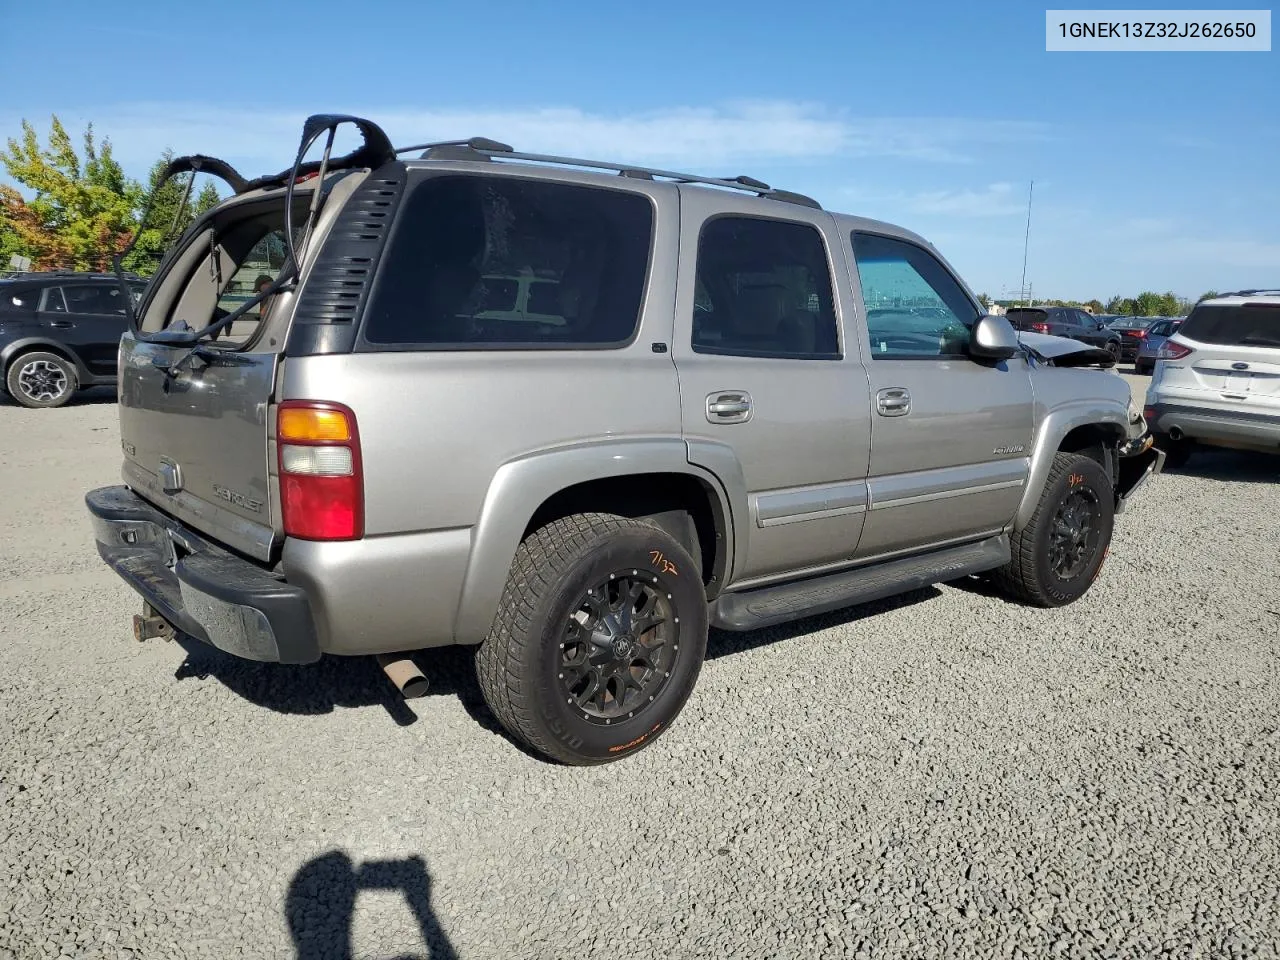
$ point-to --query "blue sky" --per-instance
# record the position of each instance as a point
(1152, 170)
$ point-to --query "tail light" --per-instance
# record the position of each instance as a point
(1140, 334)
(1174, 351)
(1039, 326)
(321, 478)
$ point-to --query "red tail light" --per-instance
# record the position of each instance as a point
(321, 477)
(1174, 351)
(1140, 334)
(1039, 327)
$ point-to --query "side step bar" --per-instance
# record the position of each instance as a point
(778, 603)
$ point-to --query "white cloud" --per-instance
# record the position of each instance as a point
(703, 138)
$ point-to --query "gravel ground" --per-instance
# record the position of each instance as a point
(941, 775)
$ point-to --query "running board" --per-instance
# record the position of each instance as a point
(766, 606)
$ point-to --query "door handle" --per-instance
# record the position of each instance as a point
(729, 406)
(893, 402)
(63, 324)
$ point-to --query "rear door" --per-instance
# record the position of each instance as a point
(93, 322)
(765, 380)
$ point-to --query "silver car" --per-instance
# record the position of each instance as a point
(699, 422)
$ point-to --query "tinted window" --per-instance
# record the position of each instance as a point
(94, 298)
(915, 308)
(455, 231)
(498, 293)
(1162, 329)
(544, 297)
(19, 298)
(1249, 325)
(764, 290)
(54, 301)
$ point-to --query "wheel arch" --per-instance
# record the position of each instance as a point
(650, 479)
(12, 351)
(1088, 427)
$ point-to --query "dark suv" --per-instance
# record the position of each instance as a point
(60, 332)
(1068, 322)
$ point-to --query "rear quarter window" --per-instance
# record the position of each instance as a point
(1246, 325)
(588, 247)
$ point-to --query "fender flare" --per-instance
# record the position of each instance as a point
(521, 486)
(25, 344)
(1053, 430)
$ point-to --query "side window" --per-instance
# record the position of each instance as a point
(12, 301)
(1162, 329)
(54, 301)
(94, 298)
(763, 289)
(580, 253)
(915, 308)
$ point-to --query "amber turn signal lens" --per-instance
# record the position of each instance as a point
(308, 423)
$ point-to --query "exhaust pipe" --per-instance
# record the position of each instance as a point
(1175, 433)
(404, 674)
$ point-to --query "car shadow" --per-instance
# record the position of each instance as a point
(724, 643)
(1231, 466)
(358, 682)
(320, 905)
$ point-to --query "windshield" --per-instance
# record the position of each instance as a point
(1241, 325)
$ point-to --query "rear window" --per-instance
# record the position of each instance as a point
(18, 298)
(1247, 325)
(1021, 315)
(588, 247)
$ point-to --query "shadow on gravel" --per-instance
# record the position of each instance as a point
(314, 688)
(1230, 466)
(88, 397)
(321, 903)
(723, 643)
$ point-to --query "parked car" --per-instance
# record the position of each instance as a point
(1067, 322)
(60, 332)
(1156, 335)
(1133, 331)
(1217, 380)
(378, 468)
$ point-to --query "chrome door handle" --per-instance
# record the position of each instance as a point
(60, 323)
(893, 402)
(729, 406)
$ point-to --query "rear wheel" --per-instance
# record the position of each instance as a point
(598, 641)
(1056, 557)
(40, 380)
(1115, 350)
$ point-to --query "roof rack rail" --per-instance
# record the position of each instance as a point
(1266, 291)
(482, 148)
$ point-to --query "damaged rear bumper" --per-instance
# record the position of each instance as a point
(201, 589)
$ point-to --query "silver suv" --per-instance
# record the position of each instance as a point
(1217, 378)
(732, 409)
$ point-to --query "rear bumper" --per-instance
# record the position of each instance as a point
(203, 590)
(1228, 428)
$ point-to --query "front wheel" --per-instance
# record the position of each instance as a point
(1056, 557)
(1115, 350)
(598, 641)
(40, 380)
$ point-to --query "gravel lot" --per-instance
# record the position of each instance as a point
(941, 775)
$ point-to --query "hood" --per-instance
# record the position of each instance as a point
(1065, 352)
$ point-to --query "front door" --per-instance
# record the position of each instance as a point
(950, 436)
(768, 390)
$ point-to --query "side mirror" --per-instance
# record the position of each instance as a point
(993, 338)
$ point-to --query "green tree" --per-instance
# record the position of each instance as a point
(83, 209)
(1095, 306)
(167, 217)
(1208, 295)
(985, 301)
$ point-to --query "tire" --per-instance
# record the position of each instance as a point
(1115, 350)
(541, 660)
(1033, 575)
(40, 380)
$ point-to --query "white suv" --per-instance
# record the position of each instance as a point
(1217, 379)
